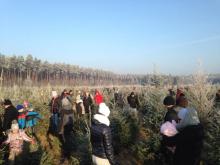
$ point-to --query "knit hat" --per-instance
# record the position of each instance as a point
(19, 107)
(104, 109)
(7, 102)
(169, 101)
(54, 94)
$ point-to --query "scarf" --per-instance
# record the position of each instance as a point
(102, 119)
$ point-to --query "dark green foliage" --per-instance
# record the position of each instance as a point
(211, 153)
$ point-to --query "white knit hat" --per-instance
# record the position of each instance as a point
(54, 94)
(104, 109)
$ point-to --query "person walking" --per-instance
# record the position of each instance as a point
(88, 102)
(55, 106)
(101, 138)
(66, 113)
(133, 102)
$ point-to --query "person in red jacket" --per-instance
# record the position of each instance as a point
(98, 97)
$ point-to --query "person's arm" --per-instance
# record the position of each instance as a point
(38, 116)
(8, 140)
(83, 108)
(25, 137)
(108, 146)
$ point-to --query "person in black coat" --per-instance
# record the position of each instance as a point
(87, 102)
(190, 138)
(88, 105)
(169, 142)
(171, 114)
(101, 139)
(10, 114)
(133, 100)
(189, 145)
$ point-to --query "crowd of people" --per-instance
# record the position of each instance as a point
(182, 132)
(17, 123)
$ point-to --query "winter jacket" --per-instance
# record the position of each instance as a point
(16, 140)
(22, 119)
(55, 105)
(80, 108)
(171, 115)
(133, 101)
(10, 114)
(66, 103)
(189, 145)
(31, 118)
(102, 141)
(170, 141)
(87, 102)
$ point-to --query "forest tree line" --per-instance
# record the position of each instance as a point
(27, 70)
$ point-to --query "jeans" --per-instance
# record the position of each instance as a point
(55, 120)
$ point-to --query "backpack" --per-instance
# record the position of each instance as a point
(66, 104)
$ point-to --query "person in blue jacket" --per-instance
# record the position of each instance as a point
(21, 116)
(31, 120)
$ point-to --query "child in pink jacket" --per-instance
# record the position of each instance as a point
(16, 138)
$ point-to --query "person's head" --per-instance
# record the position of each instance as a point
(26, 104)
(104, 110)
(14, 127)
(182, 101)
(132, 94)
(65, 92)
(171, 90)
(180, 88)
(87, 93)
(20, 108)
(169, 102)
(7, 103)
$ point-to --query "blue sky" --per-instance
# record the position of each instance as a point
(124, 36)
